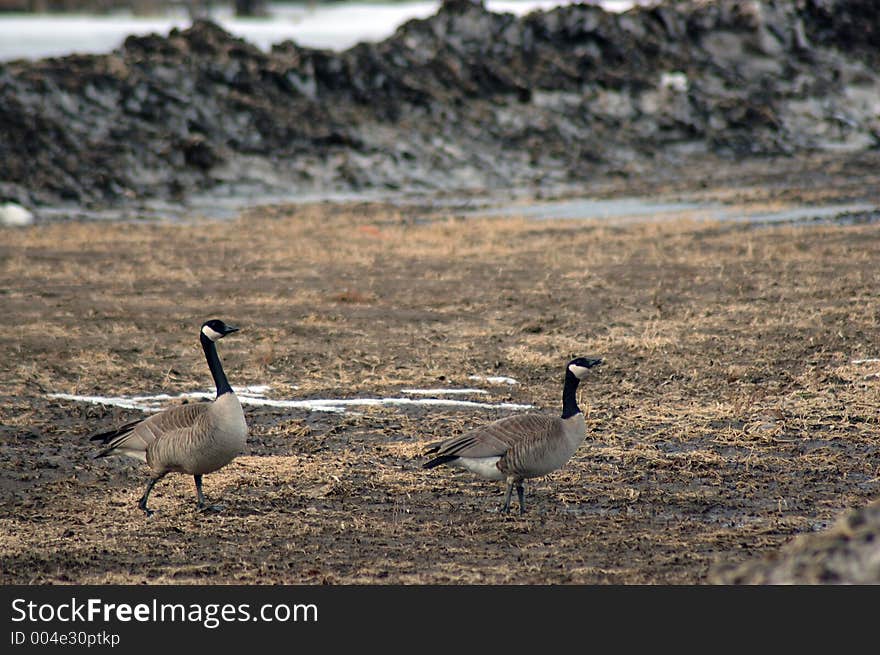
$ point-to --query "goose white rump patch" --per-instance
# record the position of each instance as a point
(482, 466)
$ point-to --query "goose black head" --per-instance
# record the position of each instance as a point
(579, 366)
(217, 329)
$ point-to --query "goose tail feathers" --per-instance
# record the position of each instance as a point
(437, 461)
(121, 441)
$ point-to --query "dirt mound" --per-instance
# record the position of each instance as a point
(466, 99)
(848, 553)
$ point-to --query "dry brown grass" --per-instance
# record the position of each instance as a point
(729, 415)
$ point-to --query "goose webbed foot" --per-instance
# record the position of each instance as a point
(505, 508)
(201, 505)
(142, 503)
(520, 493)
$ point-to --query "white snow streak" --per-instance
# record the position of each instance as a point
(255, 395)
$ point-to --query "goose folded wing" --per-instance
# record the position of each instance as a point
(136, 437)
(495, 439)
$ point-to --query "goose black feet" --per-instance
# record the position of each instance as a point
(201, 505)
(142, 503)
(520, 493)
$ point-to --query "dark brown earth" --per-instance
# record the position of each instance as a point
(735, 419)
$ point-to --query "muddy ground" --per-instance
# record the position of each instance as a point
(734, 417)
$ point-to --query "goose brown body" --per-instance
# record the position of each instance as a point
(522, 446)
(196, 439)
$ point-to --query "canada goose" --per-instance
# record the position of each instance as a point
(196, 438)
(521, 446)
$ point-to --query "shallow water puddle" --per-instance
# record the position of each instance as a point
(646, 209)
(256, 395)
(584, 208)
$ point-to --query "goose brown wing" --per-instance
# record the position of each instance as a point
(495, 439)
(135, 438)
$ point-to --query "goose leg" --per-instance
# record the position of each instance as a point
(521, 494)
(505, 509)
(201, 505)
(142, 503)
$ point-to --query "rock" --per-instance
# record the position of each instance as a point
(13, 214)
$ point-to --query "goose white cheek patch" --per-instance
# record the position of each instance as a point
(579, 371)
(213, 335)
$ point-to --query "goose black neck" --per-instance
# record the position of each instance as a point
(216, 367)
(569, 395)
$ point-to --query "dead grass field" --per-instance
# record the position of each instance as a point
(731, 414)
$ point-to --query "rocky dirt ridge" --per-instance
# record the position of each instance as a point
(465, 99)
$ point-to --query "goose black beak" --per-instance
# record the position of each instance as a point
(229, 329)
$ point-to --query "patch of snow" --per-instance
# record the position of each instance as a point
(336, 26)
(441, 392)
(494, 379)
(157, 402)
